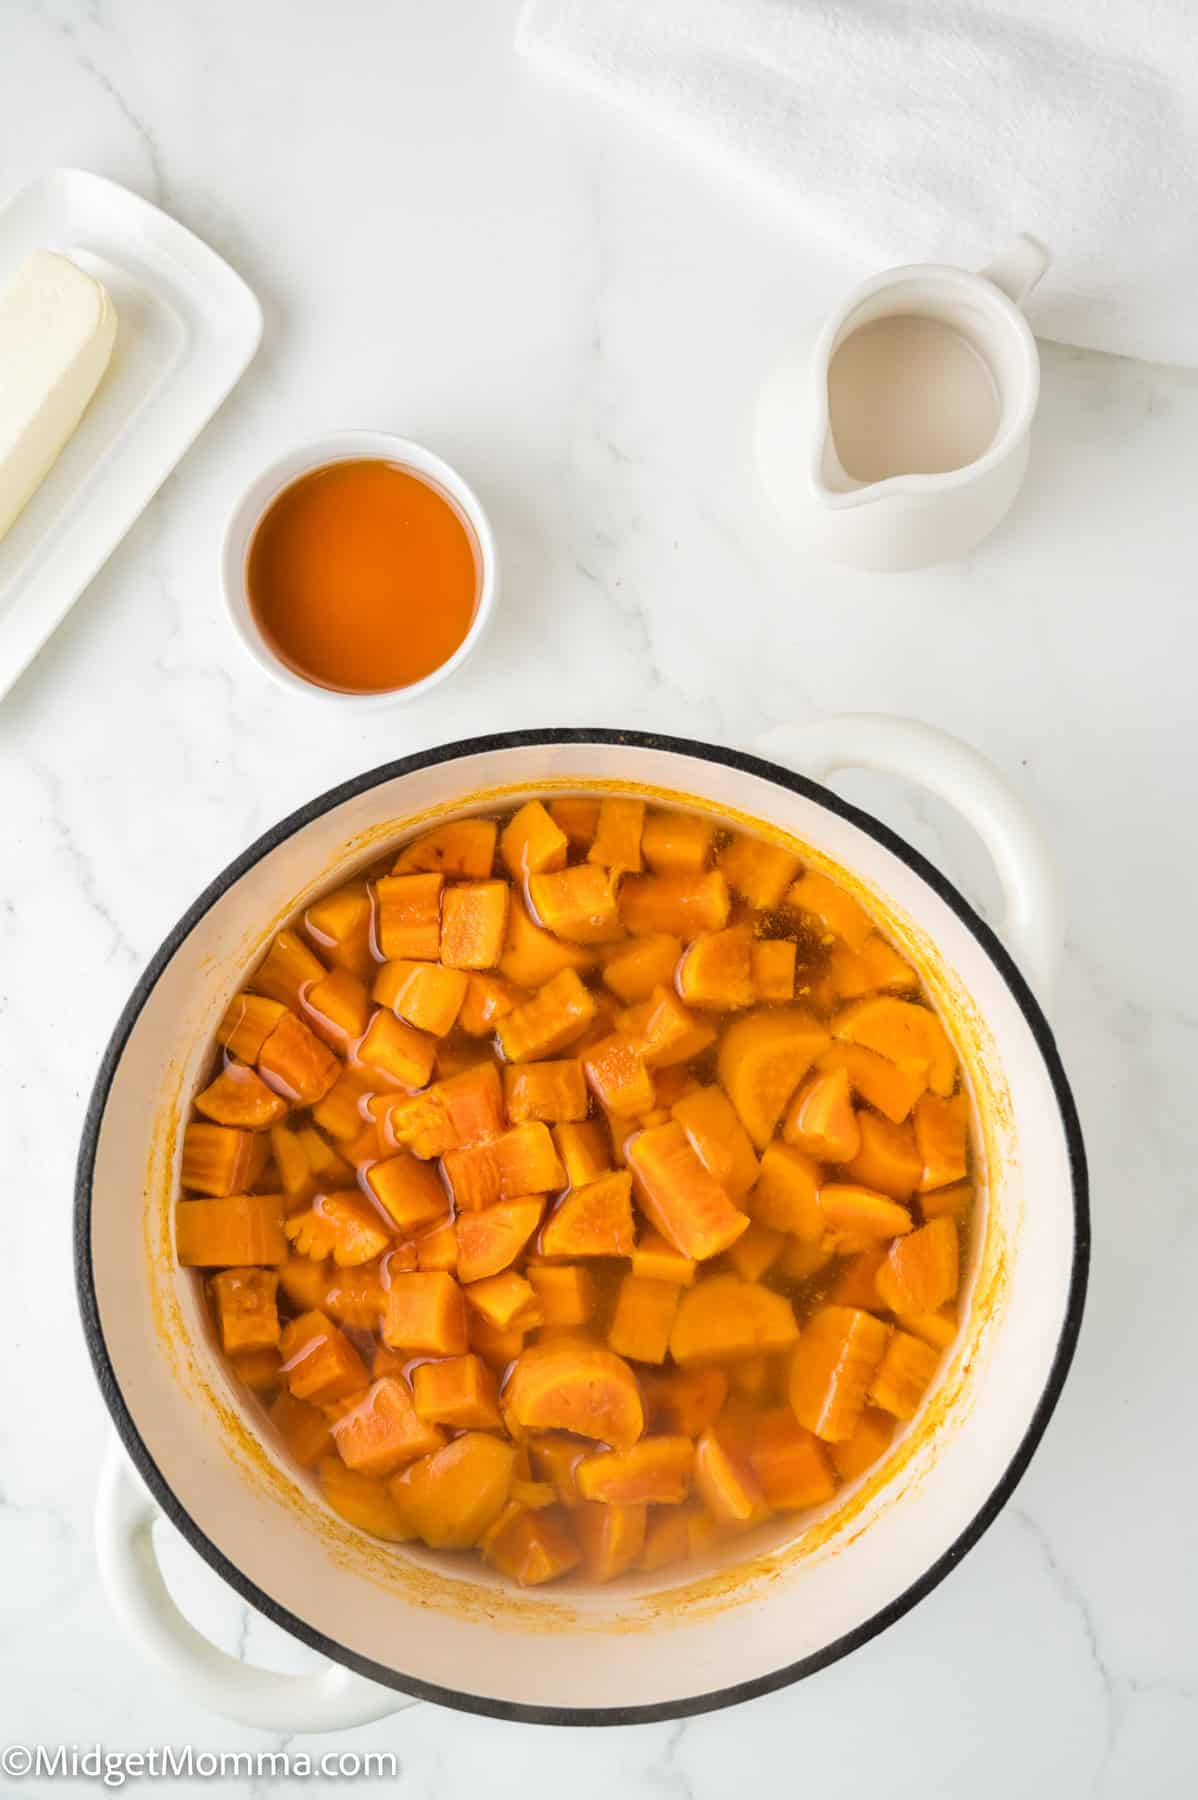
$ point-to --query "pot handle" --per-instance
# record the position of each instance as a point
(328, 1699)
(1033, 926)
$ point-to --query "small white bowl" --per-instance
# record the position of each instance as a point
(351, 446)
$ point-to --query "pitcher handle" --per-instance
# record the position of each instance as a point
(1017, 270)
(329, 1699)
(1033, 926)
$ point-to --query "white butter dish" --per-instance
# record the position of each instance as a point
(187, 327)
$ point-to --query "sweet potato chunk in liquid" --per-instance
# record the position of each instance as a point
(581, 1185)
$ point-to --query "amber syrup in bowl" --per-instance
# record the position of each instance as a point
(361, 577)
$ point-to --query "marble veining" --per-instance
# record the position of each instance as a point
(579, 317)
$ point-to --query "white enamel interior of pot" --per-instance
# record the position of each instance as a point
(455, 1627)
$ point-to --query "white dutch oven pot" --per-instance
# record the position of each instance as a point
(393, 1618)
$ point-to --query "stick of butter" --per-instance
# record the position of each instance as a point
(57, 328)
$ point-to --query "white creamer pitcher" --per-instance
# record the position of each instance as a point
(902, 438)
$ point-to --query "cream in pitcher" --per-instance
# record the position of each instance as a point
(903, 440)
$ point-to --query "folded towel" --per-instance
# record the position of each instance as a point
(936, 129)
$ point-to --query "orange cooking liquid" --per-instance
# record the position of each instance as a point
(363, 577)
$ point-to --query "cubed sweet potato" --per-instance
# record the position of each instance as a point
(235, 1230)
(643, 1318)
(303, 1282)
(248, 1021)
(577, 1388)
(685, 1401)
(240, 1098)
(337, 1008)
(719, 1139)
(397, 1051)
(459, 1391)
(576, 903)
(611, 1538)
(553, 1092)
(288, 967)
(715, 971)
(684, 904)
(634, 968)
(491, 1240)
(489, 998)
(680, 1198)
(856, 1281)
(339, 925)
(259, 1370)
(437, 1248)
(756, 1251)
(407, 916)
(924, 1267)
(595, 1220)
(821, 1121)
(617, 840)
(669, 1032)
(676, 843)
(356, 1296)
(759, 871)
(726, 1483)
(856, 1454)
(532, 1547)
(320, 1363)
(532, 956)
(423, 994)
(452, 1498)
(303, 1428)
(862, 1211)
(557, 1013)
(585, 1150)
(654, 1258)
(425, 1313)
(504, 1300)
(521, 1161)
(722, 1317)
(408, 1189)
(872, 969)
(295, 1062)
(361, 1500)
(463, 847)
(342, 1225)
(616, 1071)
(832, 1367)
(903, 1375)
(792, 1467)
(566, 1292)
(219, 1159)
(379, 1432)
(786, 1197)
(832, 907)
(772, 964)
(908, 1034)
(941, 1141)
(343, 1110)
(656, 1472)
(762, 1058)
(887, 1158)
(473, 924)
(454, 1114)
(876, 1079)
(531, 842)
(246, 1309)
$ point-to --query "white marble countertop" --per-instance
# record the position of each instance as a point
(579, 318)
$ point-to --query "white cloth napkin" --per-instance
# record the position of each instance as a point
(915, 130)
